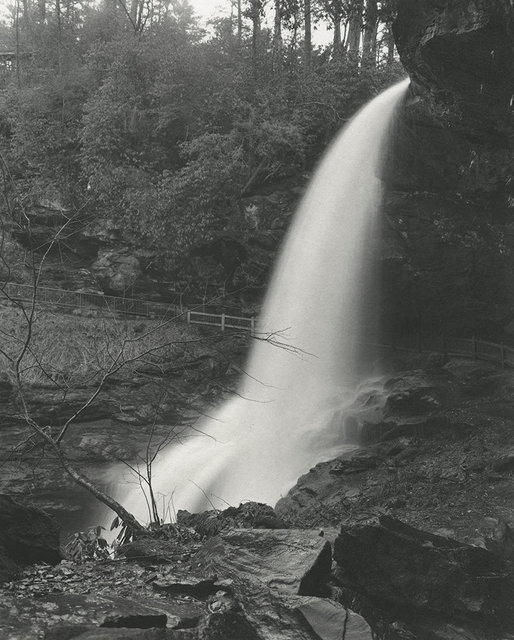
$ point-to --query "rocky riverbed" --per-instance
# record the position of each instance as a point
(409, 536)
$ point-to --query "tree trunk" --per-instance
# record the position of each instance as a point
(390, 45)
(256, 29)
(370, 31)
(59, 36)
(239, 24)
(17, 31)
(355, 27)
(134, 5)
(337, 40)
(84, 482)
(308, 34)
(277, 29)
(81, 479)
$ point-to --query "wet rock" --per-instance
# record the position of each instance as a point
(271, 571)
(134, 620)
(94, 633)
(249, 515)
(327, 618)
(293, 561)
(412, 402)
(187, 586)
(148, 550)
(501, 540)
(229, 624)
(420, 575)
(67, 631)
(27, 535)
(320, 497)
(451, 163)
(69, 615)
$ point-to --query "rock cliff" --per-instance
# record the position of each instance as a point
(450, 193)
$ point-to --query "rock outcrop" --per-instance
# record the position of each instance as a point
(450, 191)
(27, 536)
(436, 586)
(241, 585)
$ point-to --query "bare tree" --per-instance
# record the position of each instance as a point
(308, 33)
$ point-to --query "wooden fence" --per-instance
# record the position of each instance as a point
(450, 347)
(223, 321)
(127, 306)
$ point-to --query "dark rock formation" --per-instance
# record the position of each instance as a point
(450, 192)
(117, 271)
(249, 515)
(241, 585)
(426, 581)
(440, 457)
(27, 536)
(279, 575)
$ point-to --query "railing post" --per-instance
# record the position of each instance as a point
(188, 317)
(474, 348)
(223, 322)
(252, 326)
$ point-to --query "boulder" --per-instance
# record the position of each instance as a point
(116, 271)
(275, 573)
(27, 536)
(249, 515)
(424, 579)
(324, 495)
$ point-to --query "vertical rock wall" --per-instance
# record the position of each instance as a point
(449, 216)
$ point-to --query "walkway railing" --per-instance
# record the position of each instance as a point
(450, 347)
(458, 348)
(127, 306)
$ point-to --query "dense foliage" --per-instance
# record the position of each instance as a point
(137, 116)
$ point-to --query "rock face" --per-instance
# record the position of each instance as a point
(27, 536)
(426, 581)
(459, 55)
(439, 457)
(117, 271)
(450, 192)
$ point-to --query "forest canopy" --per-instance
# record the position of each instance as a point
(135, 114)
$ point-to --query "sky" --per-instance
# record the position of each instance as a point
(205, 9)
(209, 8)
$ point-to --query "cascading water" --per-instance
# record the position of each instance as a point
(281, 422)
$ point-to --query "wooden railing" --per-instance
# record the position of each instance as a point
(223, 321)
(126, 306)
(457, 348)
(448, 346)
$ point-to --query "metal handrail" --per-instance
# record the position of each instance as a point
(128, 306)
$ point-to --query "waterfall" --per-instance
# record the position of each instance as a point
(304, 366)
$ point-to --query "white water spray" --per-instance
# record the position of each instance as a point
(280, 424)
